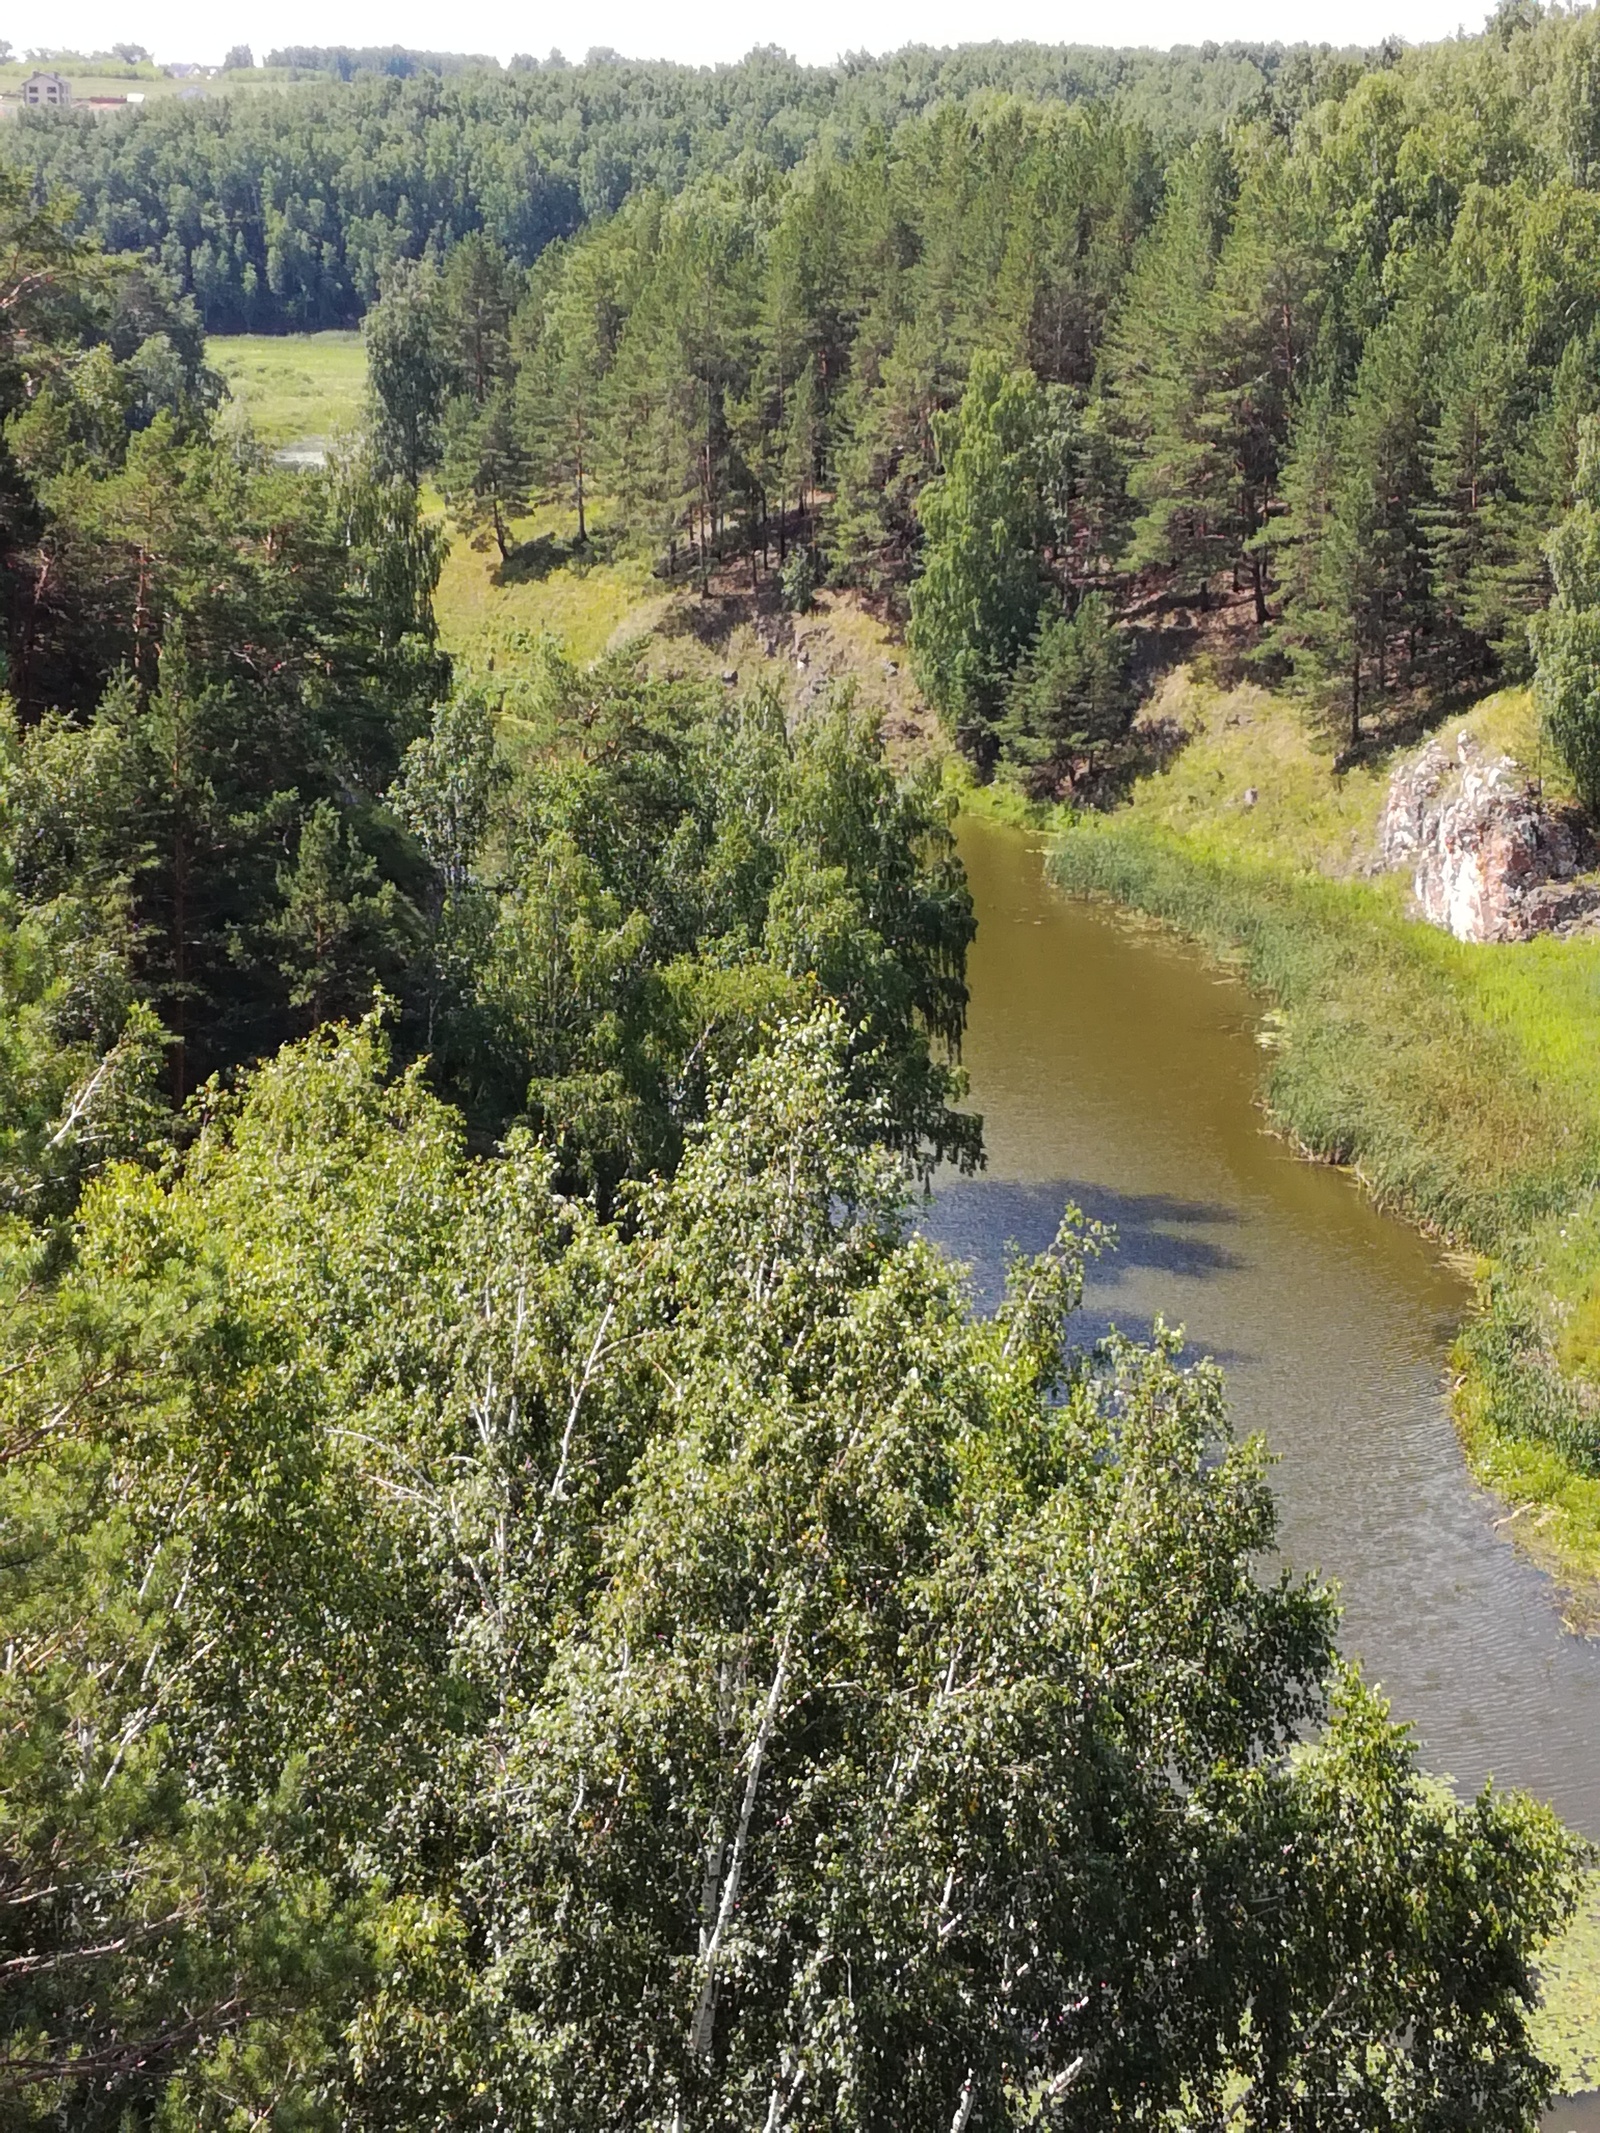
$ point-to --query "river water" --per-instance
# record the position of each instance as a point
(1114, 1068)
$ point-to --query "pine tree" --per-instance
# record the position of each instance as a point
(485, 472)
(341, 929)
(682, 364)
(1260, 327)
(569, 343)
(478, 295)
(1566, 637)
(886, 454)
(1357, 601)
(1070, 695)
(1156, 376)
(1486, 573)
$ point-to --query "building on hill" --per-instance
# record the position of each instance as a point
(43, 89)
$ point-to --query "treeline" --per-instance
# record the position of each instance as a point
(284, 212)
(1339, 362)
(345, 61)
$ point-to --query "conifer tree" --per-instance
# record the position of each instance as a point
(885, 456)
(1069, 697)
(1485, 581)
(1155, 370)
(485, 474)
(568, 345)
(1357, 598)
(479, 291)
(1566, 637)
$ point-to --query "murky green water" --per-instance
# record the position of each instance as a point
(1113, 1068)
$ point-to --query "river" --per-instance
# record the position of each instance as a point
(1115, 1068)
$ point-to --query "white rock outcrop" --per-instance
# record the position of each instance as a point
(1489, 862)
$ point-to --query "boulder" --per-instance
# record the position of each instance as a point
(1489, 861)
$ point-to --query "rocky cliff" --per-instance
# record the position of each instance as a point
(1489, 860)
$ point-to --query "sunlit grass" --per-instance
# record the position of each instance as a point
(294, 386)
(1252, 778)
(585, 597)
(1567, 2027)
(1546, 993)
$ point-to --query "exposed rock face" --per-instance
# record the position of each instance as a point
(1489, 862)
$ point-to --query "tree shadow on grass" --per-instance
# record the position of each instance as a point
(530, 562)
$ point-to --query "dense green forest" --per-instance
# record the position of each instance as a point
(285, 211)
(529, 1596)
(1058, 385)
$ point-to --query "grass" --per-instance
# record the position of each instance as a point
(148, 82)
(587, 598)
(1456, 1079)
(295, 387)
(1306, 815)
(598, 598)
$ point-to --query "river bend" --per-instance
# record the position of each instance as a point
(1115, 1068)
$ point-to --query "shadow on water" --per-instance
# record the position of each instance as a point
(980, 1221)
(1153, 1229)
(1117, 1070)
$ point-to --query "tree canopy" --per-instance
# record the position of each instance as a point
(481, 1664)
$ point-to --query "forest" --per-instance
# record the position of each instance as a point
(284, 212)
(531, 1597)
(1045, 387)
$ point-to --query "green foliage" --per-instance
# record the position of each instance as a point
(1070, 695)
(477, 1662)
(799, 582)
(1566, 638)
(1359, 583)
(409, 372)
(1335, 351)
(283, 213)
(529, 1598)
(622, 914)
(484, 474)
(976, 603)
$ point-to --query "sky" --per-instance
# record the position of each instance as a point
(714, 30)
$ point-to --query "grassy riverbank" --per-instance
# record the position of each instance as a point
(1456, 1080)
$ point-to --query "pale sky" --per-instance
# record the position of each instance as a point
(716, 29)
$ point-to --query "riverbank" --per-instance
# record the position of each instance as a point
(1456, 1080)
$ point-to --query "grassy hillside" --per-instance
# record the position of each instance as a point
(597, 599)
